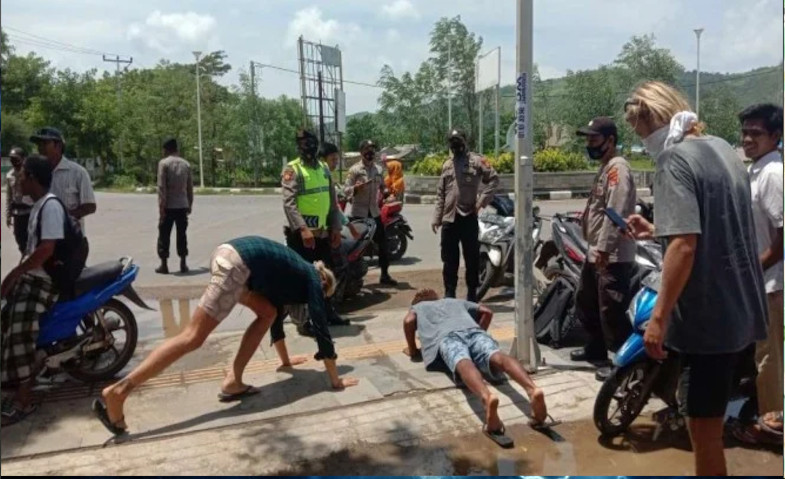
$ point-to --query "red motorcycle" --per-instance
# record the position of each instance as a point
(395, 225)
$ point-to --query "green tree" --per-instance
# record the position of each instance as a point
(640, 59)
(719, 110)
(359, 128)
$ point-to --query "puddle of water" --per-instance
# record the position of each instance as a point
(580, 452)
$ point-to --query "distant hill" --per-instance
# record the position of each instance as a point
(763, 84)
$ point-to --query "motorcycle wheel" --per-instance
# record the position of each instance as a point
(626, 388)
(397, 242)
(488, 273)
(102, 364)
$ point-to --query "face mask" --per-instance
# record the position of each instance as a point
(655, 142)
(457, 148)
(369, 155)
(596, 152)
(309, 149)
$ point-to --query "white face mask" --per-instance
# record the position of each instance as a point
(655, 142)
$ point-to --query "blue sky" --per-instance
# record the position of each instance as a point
(569, 34)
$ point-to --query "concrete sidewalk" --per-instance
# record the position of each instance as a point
(297, 424)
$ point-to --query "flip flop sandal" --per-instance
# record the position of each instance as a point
(753, 434)
(99, 408)
(12, 415)
(544, 424)
(249, 391)
(498, 437)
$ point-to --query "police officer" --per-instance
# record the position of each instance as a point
(364, 184)
(457, 205)
(314, 228)
(18, 205)
(604, 290)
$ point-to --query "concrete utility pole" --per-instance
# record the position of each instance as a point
(698, 32)
(449, 85)
(525, 347)
(117, 61)
(199, 118)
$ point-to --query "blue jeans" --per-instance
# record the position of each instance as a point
(473, 344)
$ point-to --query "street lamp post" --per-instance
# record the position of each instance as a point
(698, 32)
(199, 119)
(525, 348)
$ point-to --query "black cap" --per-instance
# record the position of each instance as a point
(367, 144)
(602, 125)
(47, 133)
(17, 152)
(456, 133)
(302, 134)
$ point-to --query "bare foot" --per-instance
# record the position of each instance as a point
(114, 406)
(539, 409)
(346, 382)
(293, 361)
(492, 420)
(231, 386)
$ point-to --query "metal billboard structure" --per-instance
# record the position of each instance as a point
(321, 90)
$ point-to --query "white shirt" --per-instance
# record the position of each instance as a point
(71, 183)
(52, 225)
(766, 178)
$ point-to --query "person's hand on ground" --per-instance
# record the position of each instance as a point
(415, 355)
(640, 228)
(308, 239)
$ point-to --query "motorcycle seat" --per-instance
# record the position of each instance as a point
(94, 276)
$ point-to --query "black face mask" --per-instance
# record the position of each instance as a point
(309, 149)
(596, 152)
(457, 147)
(369, 155)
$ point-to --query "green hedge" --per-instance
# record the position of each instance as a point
(549, 160)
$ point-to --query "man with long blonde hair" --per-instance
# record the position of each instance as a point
(711, 307)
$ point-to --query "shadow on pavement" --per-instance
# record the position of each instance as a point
(346, 331)
(301, 383)
(192, 272)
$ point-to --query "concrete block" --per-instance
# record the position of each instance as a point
(364, 391)
(412, 199)
(560, 195)
(643, 192)
(428, 199)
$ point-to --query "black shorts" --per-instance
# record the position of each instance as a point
(707, 381)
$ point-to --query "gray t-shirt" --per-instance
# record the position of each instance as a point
(701, 187)
(437, 319)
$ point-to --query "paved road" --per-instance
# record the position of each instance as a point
(125, 225)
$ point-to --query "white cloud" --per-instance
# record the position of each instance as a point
(750, 37)
(400, 9)
(171, 32)
(309, 23)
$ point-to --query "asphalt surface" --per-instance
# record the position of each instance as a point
(126, 225)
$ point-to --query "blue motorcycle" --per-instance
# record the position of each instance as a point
(636, 376)
(92, 335)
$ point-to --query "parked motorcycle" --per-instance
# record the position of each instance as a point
(396, 228)
(92, 335)
(636, 376)
(497, 250)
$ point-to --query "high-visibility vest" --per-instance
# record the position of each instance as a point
(313, 193)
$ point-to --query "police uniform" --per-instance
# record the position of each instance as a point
(457, 204)
(603, 295)
(365, 204)
(309, 201)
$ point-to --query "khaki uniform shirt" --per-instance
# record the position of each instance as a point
(175, 183)
(459, 187)
(290, 186)
(365, 200)
(613, 187)
(71, 183)
(16, 203)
